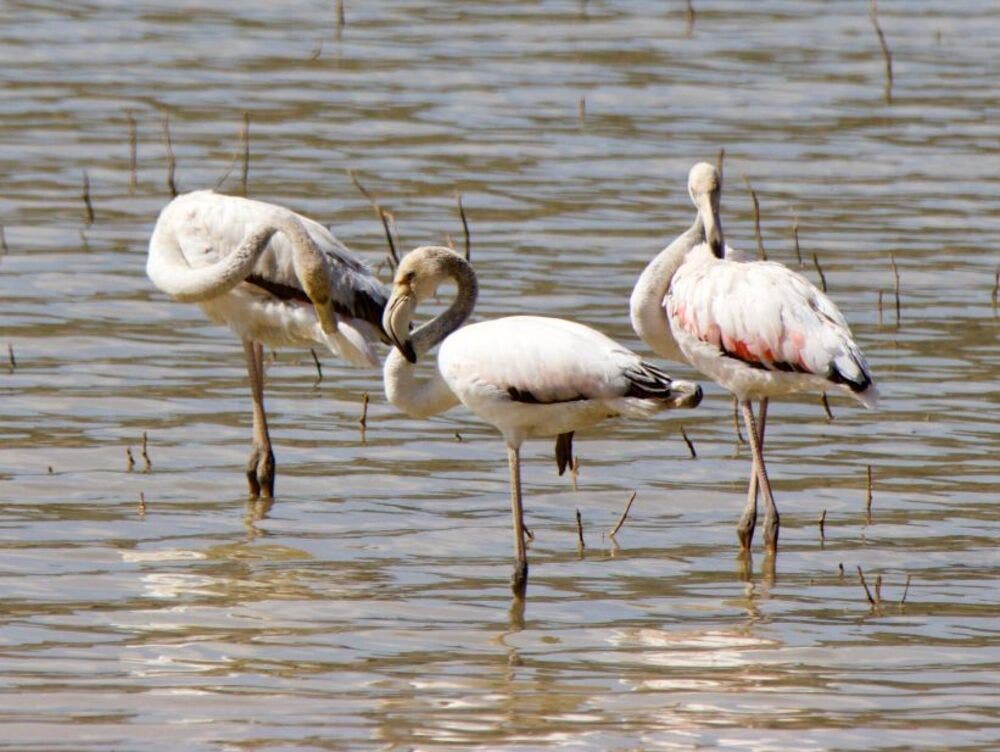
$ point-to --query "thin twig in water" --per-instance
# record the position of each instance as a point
(579, 530)
(624, 514)
(878, 588)
(245, 140)
(145, 454)
(171, 159)
(868, 593)
(142, 504)
(574, 470)
(886, 55)
(761, 254)
(822, 524)
(89, 215)
(736, 422)
(880, 320)
(895, 274)
(11, 359)
(458, 436)
(906, 590)
(384, 217)
(129, 459)
(319, 366)
(694, 454)
(690, 18)
(465, 227)
(341, 17)
(363, 420)
(4, 250)
(826, 406)
(133, 150)
(795, 236)
(581, 111)
(993, 295)
(819, 270)
(868, 495)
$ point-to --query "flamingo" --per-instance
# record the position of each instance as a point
(756, 328)
(275, 278)
(528, 376)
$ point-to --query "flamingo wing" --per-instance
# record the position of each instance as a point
(768, 317)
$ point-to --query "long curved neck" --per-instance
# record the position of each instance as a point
(420, 398)
(649, 318)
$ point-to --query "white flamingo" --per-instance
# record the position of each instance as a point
(755, 327)
(275, 278)
(529, 376)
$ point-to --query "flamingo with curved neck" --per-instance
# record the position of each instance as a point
(529, 376)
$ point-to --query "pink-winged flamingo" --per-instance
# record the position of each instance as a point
(275, 278)
(756, 328)
(529, 376)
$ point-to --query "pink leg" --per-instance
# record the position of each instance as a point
(260, 466)
(771, 518)
(747, 523)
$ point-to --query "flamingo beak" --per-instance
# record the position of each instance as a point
(688, 394)
(708, 208)
(396, 320)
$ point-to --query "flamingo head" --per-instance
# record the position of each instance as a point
(705, 187)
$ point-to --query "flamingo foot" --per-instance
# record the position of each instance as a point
(260, 472)
(745, 528)
(519, 579)
(772, 524)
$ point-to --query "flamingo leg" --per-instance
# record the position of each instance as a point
(747, 523)
(260, 466)
(519, 580)
(771, 517)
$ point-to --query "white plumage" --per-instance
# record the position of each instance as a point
(275, 278)
(757, 328)
(530, 376)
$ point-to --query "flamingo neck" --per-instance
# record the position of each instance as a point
(649, 317)
(420, 398)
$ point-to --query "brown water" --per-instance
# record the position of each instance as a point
(369, 607)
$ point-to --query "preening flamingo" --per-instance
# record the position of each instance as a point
(529, 376)
(275, 278)
(756, 328)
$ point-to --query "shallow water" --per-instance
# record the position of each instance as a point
(369, 606)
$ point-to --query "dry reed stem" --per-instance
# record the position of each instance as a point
(868, 494)
(906, 590)
(880, 319)
(142, 504)
(826, 406)
(624, 514)
(10, 358)
(363, 420)
(878, 588)
(822, 524)
(795, 237)
(581, 110)
(689, 16)
(690, 445)
(819, 270)
(129, 459)
(341, 16)
(385, 217)
(579, 531)
(133, 153)
(868, 593)
(245, 140)
(574, 470)
(88, 206)
(4, 250)
(736, 423)
(465, 227)
(886, 54)
(895, 274)
(171, 159)
(993, 295)
(319, 366)
(761, 253)
(145, 454)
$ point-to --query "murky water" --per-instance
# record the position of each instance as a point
(369, 607)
